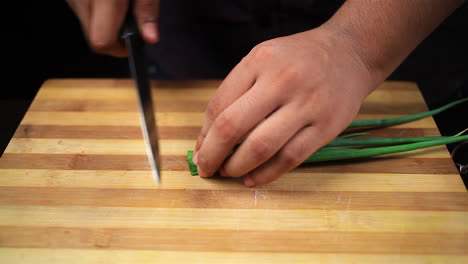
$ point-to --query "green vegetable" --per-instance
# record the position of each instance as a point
(402, 119)
(326, 154)
(341, 142)
(350, 135)
(193, 167)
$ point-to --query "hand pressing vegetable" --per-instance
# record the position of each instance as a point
(335, 151)
(291, 95)
(284, 115)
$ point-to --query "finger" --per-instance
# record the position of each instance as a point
(238, 82)
(106, 21)
(231, 125)
(264, 141)
(82, 11)
(299, 148)
(147, 14)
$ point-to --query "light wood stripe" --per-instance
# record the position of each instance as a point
(190, 92)
(232, 199)
(134, 146)
(79, 256)
(110, 93)
(118, 147)
(133, 132)
(318, 182)
(235, 219)
(163, 84)
(179, 163)
(234, 240)
(178, 84)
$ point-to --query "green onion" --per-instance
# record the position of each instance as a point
(402, 119)
(350, 135)
(341, 142)
(193, 167)
(327, 154)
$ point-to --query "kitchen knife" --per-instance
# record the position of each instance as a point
(138, 68)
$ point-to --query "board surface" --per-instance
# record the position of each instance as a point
(75, 187)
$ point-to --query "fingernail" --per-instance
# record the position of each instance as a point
(222, 172)
(195, 158)
(202, 173)
(248, 181)
(151, 32)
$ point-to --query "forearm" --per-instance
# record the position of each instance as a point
(384, 32)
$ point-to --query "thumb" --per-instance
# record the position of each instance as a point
(147, 16)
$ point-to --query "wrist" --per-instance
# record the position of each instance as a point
(376, 67)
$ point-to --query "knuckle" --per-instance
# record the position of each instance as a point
(226, 127)
(101, 45)
(263, 52)
(261, 149)
(145, 10)
(290, 75)
(213, 109)
(289, 158)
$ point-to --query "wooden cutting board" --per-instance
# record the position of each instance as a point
(75, 187)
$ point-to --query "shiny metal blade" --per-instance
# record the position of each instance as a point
(138, 70)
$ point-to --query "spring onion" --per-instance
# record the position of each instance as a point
(341, 142)
(403, 119)
(327, 154)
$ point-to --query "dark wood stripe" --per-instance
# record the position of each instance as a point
(179, 163)
(189, 106)
(233, 199)
(88, 162)
(233, 241)
(114, 106)
(134, 132)
(401, 132)
(384, 165)
(397, 108)
(102, 132)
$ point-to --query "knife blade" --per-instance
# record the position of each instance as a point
(138, 69)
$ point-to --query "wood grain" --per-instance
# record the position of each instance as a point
(235, 198)
(234, 240)
(294, 181)
(72, 256)
(75, 187)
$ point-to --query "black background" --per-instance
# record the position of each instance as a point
(43, 39)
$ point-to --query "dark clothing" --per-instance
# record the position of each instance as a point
(207, 38)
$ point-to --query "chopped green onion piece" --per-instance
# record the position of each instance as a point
(193, 167)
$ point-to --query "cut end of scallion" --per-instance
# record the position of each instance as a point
(193, 167)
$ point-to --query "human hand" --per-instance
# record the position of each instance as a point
(102, 20)
(288, 97)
